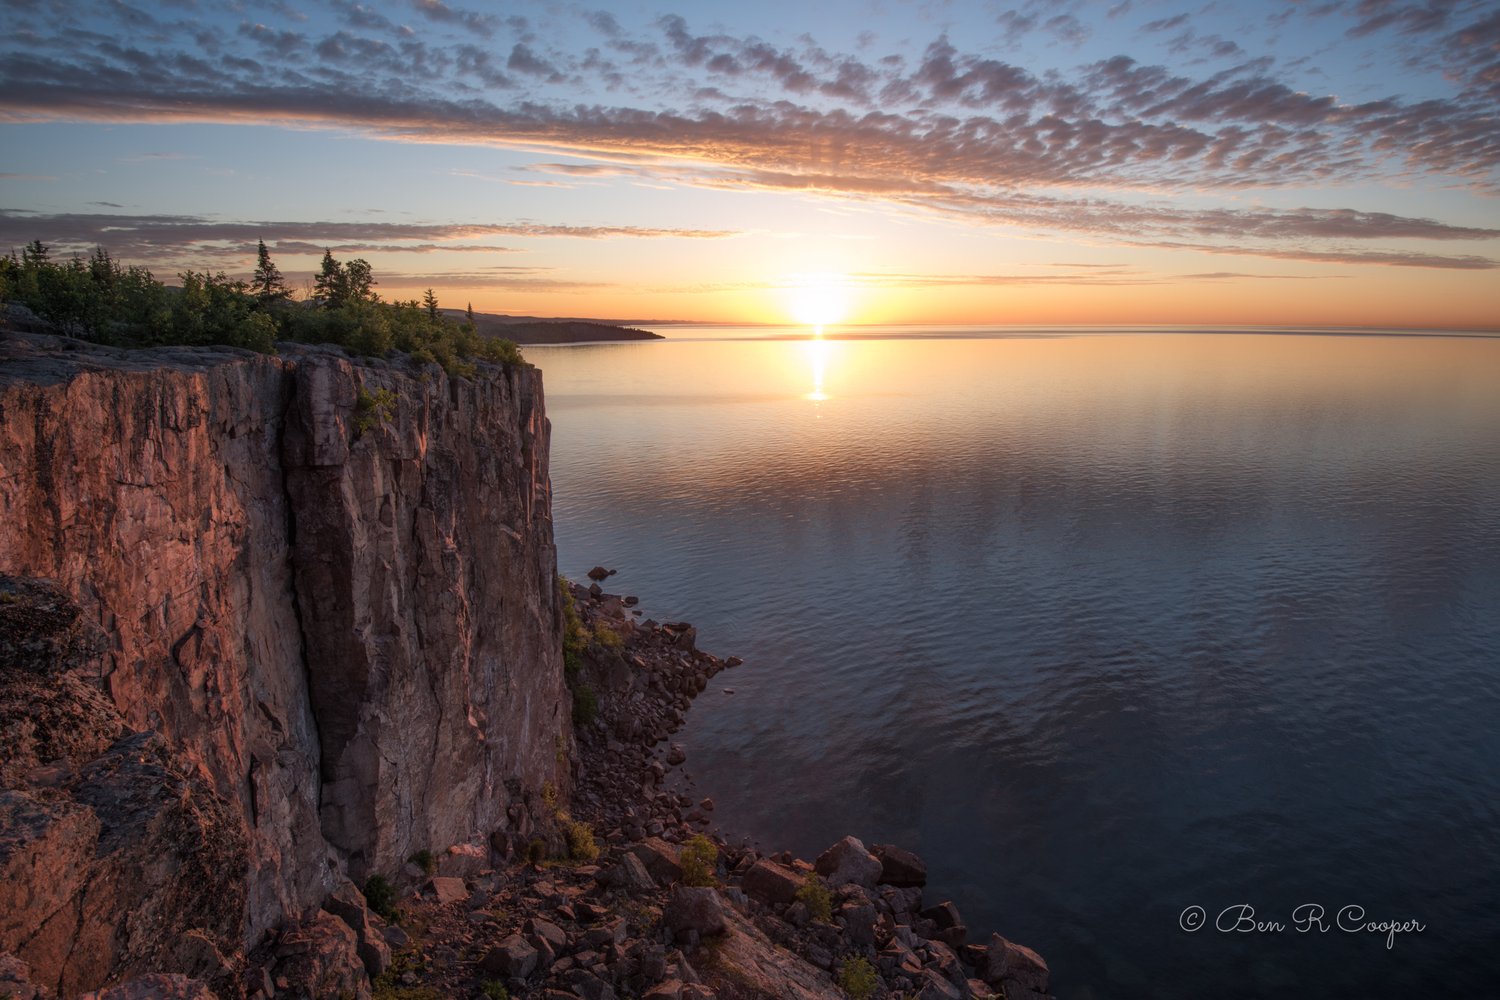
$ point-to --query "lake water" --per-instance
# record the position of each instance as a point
(1103, 626)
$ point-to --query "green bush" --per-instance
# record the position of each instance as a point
(424, 860)
(815, 896)
(373, 408)
(581, 843)
(381, 897)
(699, 859)
(585, 705)
(495, 990)
(857, 978)
(575, 635)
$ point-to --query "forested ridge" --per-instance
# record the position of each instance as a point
(100, 299)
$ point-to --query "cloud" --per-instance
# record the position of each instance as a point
(951, 132)
(520, 279)
(436, 10)
(1387, 258)
(1240, 275)
(183, 238)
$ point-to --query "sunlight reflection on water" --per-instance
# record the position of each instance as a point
(1101, 626)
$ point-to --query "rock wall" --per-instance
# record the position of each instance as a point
(335, 603)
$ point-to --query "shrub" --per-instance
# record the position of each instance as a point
(857, 978)
(370, 410)
(424, 860)
(585, 705)
(495, 990)
(575, 636)
(536, 851)
(581, 844)
(381, 897)
(699, 859)
(608, 637)
(815, 896)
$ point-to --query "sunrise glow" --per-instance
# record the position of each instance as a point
(1113, 163)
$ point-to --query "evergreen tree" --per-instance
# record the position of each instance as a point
(267, 284)
(34, 254)
(331, 286)
(430, 301)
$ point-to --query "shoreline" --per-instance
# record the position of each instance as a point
(636, 910)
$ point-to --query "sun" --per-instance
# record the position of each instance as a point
(818, 299)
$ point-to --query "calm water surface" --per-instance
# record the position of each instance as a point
(1104, 627)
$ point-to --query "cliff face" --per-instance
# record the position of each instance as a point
(328, 586)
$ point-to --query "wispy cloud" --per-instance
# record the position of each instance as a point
(1387, 258)
(172, 238)
(938, 127)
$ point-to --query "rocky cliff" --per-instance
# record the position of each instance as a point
(327, 610)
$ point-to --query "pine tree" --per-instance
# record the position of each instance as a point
(34, 254)
(267, 284)
(331, 286)
(430, 301)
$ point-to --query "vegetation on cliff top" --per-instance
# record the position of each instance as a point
(101, 300)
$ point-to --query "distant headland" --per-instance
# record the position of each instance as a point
(535, 330)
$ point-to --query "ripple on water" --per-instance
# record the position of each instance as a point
(1102, 627)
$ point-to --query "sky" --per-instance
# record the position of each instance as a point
(1327, 163)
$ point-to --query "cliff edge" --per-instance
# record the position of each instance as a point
(327, 586)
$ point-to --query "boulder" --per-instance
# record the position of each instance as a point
(932, 985)
(695, 908)
(848, 861)
(536, 929)
(633, 875)
(745, 963)
(512, 958)
(900, 867)
(1009, 964)
(859, 923)
(320, 957)
(448, 889)
(772, 883)
(943, 915)
(902, 901)
(660, 859)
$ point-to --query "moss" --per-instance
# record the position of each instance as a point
(699, 859)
